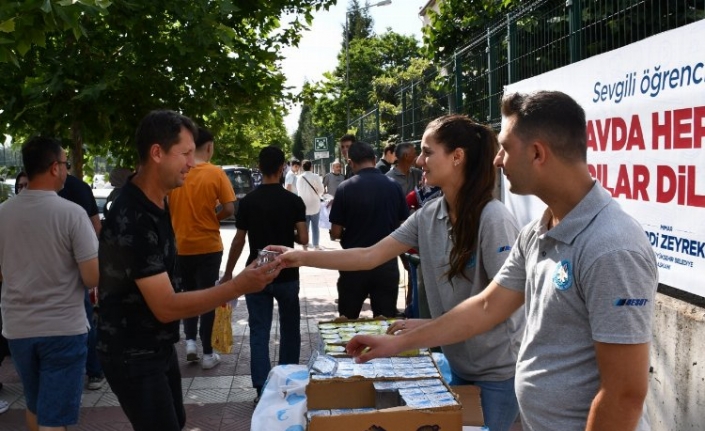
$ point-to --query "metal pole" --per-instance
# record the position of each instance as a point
(347, 75)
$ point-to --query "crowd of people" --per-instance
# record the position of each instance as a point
(526, 314)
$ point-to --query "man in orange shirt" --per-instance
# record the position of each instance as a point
(197, 229)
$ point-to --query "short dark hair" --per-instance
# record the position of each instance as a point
(270, 160)
(360, 152)
(39, 153)
(204, 137)
(161, 127)
(295, 161)
(347, 137)
(306, 164)
(551, 116)
(17, 180)
(390, 148)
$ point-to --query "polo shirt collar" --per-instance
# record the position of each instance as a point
(579, 217)
(442, 212)
(370, 170)
(143, 200)
(395, 171)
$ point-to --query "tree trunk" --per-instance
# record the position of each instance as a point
(77, 150)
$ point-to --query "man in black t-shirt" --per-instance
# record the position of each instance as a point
(81, 193)
(270, 215)
(140, 308)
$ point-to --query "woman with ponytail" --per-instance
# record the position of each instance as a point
(463, 238)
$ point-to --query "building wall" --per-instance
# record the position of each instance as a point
(676, 400)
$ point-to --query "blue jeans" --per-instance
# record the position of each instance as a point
(93, 368)
(312, 224)
(499, 402)
(414, 279)
(148, 386)
(198, 272)
(259, 307)
(51, 370)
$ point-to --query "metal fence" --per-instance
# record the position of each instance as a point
(535, 38)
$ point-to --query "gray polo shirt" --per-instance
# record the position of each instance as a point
(407, 182)
(591, 278)
(490, 356)
(43, 238)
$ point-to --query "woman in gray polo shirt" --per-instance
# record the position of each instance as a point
(463, 239)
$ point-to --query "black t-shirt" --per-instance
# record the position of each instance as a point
(369, 206)
(383, 166)
(80, 193)
(137, 241)
(269, 214)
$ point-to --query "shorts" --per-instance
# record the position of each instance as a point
(56, 365)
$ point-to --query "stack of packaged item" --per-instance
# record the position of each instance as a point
(398, 393)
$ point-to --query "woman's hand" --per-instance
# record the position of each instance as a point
(289, 258)
(399, 326)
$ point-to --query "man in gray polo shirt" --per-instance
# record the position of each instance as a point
(585, 270)
(405, 171)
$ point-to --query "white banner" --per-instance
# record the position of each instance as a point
(645, 107)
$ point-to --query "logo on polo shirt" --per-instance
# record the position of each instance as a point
(504, 248)
(563, 275)
(630, 302)
(471, 262)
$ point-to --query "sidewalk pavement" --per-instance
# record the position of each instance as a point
(217, 399)
(220, 398)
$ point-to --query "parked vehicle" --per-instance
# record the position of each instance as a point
(101, 196)
(241, 180)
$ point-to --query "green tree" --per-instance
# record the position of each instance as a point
(214, 60)
(306, 130)
(27, 23)
(239, 143)
(459, 22)
(369, 59)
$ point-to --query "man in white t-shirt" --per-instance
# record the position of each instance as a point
(310, 190)
(291, 176)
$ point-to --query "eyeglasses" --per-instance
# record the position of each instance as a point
(67, 163)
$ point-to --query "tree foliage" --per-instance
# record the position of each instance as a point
(368, 60)
(458, 22)
(98, 72)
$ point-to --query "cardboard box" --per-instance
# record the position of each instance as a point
(469, 397)
(360, 393)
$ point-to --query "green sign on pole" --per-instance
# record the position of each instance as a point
(320, 144)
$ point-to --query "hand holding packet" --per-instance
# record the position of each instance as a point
(266, 256)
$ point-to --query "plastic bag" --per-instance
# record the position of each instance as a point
(222, 335)
(323, 222)
(283, 402)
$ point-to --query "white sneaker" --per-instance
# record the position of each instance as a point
(4, 406)
(191, 351)
(95, 383)
(210, 361)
